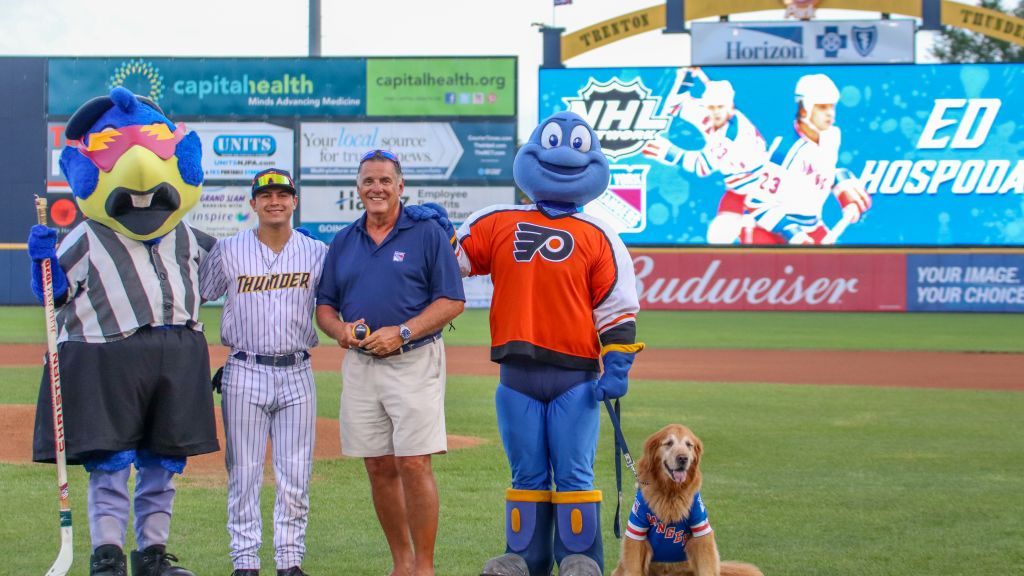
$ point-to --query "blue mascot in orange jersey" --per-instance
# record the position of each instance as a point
(136, 370)
(564, 304)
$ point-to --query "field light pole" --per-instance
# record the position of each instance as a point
(314, 28)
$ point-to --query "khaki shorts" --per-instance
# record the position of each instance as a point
(394, 405)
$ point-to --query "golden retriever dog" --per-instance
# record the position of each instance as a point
(668, 533)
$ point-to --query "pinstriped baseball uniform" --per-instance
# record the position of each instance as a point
(267, 313)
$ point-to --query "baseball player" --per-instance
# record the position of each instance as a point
(733, 147)
(791, 190)
(270, 275)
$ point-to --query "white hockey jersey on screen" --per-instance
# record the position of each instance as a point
(798, 179)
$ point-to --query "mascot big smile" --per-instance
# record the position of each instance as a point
(136, 377)
(564, 304)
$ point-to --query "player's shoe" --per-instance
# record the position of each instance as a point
(155, 561)
(293, 571)
(108, 560)
(246, 572)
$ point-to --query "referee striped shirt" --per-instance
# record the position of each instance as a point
(117, 284)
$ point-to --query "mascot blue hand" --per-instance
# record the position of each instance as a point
(434, 211)
(617, 360)
(42, 244)
(304, 232)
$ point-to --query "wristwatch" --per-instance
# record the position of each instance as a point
(405, 333)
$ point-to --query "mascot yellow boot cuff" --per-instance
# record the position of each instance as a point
(529, 527)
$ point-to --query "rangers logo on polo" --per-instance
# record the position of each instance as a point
(551, 243)
(624, 114)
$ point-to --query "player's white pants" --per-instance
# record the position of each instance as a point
(260, 401)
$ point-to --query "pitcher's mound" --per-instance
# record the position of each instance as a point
(17, 420)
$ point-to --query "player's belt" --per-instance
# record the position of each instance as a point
(402, 349)
(276, 360)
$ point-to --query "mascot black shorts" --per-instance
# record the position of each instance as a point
(150, 390)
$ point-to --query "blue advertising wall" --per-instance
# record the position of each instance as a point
(939, 147)
(965, 282)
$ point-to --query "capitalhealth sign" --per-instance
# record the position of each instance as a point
(815, 42)
(211, 86)
(938, 148)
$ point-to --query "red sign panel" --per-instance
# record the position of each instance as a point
(770, 280)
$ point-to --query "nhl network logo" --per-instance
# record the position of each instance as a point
(624, 115)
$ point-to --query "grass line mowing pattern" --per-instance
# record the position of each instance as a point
(798, 479)
(743, 330)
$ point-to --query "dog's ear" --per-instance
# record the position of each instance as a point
(649, 462)
(698, 449)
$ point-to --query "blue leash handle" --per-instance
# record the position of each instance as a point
(620, 448)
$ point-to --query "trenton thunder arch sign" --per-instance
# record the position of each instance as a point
(947, 12)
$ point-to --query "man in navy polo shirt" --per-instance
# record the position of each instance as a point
(400, 278)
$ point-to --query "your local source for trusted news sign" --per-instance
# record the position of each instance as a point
(937, 147)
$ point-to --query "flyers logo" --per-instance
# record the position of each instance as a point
(552, 244)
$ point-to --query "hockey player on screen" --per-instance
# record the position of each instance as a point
(733, 147)
(791, 190)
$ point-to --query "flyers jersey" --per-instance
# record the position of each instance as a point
(563, 286)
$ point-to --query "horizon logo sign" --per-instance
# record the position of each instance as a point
(846, 42)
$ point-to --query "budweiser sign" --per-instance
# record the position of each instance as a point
(770, 281)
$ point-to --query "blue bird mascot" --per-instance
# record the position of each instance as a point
(564, 305)
(136, 378)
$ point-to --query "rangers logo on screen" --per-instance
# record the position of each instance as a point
(552, 244)
(624, 114)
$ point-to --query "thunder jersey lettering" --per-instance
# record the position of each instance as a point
(265, 285)
(558, 282)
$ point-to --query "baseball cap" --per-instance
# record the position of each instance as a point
(273, 178)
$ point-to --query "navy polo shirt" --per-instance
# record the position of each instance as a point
(393, 282)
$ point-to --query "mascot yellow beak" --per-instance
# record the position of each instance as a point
(142, 197)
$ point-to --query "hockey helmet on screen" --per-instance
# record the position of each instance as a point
(815, 89)
(718, 92)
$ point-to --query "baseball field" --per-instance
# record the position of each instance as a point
(835, 444)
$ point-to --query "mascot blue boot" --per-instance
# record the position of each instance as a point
(136, 378)
(564, 306)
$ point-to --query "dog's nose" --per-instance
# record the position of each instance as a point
(681, 461)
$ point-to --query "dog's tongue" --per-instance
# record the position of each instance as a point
(679, 475)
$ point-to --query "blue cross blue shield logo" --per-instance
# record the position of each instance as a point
(831, 42)
(864, 39)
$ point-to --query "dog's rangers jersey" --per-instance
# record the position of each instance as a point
(532, 257)
(797, 181)
(668, 541)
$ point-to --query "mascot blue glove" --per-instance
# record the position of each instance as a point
(617, 360)
(42, 245)
(429, 211)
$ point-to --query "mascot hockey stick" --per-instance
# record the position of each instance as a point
(62, 564)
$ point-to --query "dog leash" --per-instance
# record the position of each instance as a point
(623, 449)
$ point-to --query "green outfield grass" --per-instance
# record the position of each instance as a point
(802, 480)
(773, 330)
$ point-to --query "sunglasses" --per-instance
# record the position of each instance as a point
(381, 154)
(272, 178)
(105, 148)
